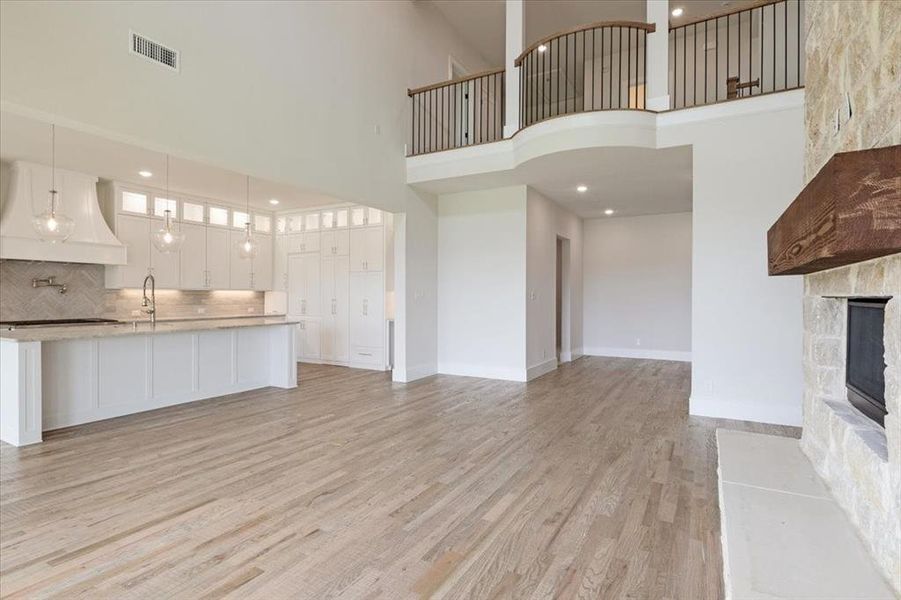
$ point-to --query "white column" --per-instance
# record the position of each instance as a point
(515, 37)
(21, 406)
(658, 55)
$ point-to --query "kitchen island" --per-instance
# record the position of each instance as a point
(52, 377)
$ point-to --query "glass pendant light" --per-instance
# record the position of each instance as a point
(247, 246)
(168, 240)
(53, 226)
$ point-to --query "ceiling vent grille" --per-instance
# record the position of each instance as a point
(153, 51)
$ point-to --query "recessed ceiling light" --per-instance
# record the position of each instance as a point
(677, 12)
(608, 212)
(582, 189)
(273, 202)
(145, 173)
(542, 48)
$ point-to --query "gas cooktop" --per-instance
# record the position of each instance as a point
(53, 322)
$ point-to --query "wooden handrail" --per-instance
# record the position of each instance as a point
(724, 13)
(442, 84)
(649, 27)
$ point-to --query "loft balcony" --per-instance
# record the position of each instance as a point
(614, 66)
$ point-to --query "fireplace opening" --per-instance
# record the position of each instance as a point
(865, 362)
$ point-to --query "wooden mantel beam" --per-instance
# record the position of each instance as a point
(849, 212)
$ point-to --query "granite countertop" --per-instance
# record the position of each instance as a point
(76, 332)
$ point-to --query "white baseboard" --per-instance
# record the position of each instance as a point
(639, 353)
(541, 369)
(760, 412)
(483, 371)
(409, 374)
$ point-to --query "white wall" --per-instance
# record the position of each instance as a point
(416, 280)
(746, 326)
(545, 222)
(637, 279)
(482, 283)
(287, 91)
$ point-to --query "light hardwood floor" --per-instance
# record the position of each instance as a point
(590, 482)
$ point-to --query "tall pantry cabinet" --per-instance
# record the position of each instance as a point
(331, 263)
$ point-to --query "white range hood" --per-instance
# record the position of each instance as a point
(27, 195)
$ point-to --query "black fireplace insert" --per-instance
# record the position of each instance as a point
(865, 358)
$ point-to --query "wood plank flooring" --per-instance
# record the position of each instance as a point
(590, 482)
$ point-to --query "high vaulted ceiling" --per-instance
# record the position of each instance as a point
(29, 139)
(481, 22)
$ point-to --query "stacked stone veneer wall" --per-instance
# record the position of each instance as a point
(859, 460)
(853, 102)
(852, 50)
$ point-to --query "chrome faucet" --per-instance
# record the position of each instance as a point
(148, 305)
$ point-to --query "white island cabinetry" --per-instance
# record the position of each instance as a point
(62, 376)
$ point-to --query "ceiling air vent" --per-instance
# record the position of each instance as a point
(154, 51)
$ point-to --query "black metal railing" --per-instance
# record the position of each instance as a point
(601, 66)
(458, 113)
(737, 54)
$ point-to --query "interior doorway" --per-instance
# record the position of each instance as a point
(562, 302)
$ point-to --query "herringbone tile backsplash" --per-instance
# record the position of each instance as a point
(86, 296)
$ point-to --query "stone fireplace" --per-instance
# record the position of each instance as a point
(859, 459)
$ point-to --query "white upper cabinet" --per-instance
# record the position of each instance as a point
(366, 249)
(262, 263)
(335, 243)
(192, 212)
(239, 268)
(218, 215)
(133, 202)
(208, 258)
(217, 259)
(164, 265)
(358, 216)
(161, 205)
(280, 263)
(193, 257)
(363, 215)
(303, 242)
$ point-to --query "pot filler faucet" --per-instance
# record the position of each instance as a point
(49, 282)
(148, 305)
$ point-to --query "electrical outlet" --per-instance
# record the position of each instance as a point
(136, 313)
(532, 295)
(638, 341)
(201, 310)
(708, 386)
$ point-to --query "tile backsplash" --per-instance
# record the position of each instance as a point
(86, 296)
